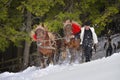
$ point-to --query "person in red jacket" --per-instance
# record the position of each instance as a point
(33, 36)
(76, 28)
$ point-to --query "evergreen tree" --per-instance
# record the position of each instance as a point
(17, 17)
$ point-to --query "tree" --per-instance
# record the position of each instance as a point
(17, 18)
(10, 24)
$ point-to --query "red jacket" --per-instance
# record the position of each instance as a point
(76, 28)
(34, 37)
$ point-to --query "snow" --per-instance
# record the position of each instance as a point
(101, 69)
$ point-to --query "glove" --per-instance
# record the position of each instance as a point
(95, 47)
(81, 46)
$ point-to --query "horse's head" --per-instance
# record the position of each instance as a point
(70, 41)
(41, 35)
(67, 30)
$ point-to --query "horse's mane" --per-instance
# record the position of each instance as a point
(39, 29)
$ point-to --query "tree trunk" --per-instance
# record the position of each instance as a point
(27, 44)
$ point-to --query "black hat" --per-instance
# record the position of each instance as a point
(87, 23)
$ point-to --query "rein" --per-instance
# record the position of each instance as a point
(45, 42)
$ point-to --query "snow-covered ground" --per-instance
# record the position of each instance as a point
(100, 68)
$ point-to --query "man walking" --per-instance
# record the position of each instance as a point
(88, 40)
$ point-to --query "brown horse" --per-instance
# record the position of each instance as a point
(72, 44)
(45, 46)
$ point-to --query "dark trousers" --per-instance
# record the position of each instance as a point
(109, 52)
(87, 53)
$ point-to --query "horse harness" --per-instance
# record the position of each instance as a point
(68, 33)
(41, 35)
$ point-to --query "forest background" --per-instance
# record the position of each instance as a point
(19, 17)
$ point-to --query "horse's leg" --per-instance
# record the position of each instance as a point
(55, 56)
(42, 61)
(60, 60)
(72, 55)
(82, 55)
(63, 53)
(52, 60)
(76, 55)
(48, 61)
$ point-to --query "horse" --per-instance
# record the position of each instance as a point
(60, 48)
(45, 47)
(71, 43)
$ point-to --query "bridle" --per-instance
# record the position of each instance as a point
(42, 39)
(41, 34)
